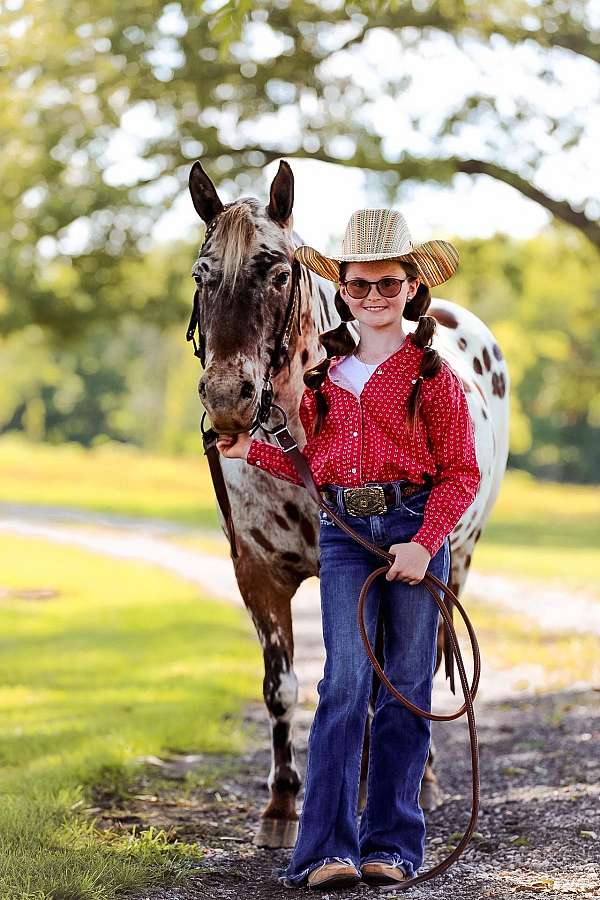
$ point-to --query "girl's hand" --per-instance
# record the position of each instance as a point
(410, 564)
(234, 446)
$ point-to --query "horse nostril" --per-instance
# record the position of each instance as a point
(202, 389)
(247, 390)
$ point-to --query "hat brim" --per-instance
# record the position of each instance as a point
(435, 261)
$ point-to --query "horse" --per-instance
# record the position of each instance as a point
(244, 272)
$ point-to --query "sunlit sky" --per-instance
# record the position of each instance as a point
(326, 195)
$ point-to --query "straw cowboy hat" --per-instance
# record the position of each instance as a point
(383, 234)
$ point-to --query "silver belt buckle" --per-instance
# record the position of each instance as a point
(365, 501)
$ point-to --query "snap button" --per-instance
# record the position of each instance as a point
(379, 371)
(355, 433)
(354, 470)
(258, 462)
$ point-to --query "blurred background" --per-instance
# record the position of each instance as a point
(481, 126)
(479, 121)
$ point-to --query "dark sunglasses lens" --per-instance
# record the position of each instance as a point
(358, 289)
(389, 287)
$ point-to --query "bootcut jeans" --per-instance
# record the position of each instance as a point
(392, 825)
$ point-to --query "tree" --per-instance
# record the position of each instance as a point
(216, 85)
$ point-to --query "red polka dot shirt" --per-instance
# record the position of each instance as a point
(365, 438)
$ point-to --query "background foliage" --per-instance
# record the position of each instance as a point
(93, 294)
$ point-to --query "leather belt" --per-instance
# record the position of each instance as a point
(370, 499)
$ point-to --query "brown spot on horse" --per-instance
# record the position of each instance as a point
(308, 531)
(283, 523)
(291, 556)
(498, 384)
(444, 317)
(261, 540)
(292, 511)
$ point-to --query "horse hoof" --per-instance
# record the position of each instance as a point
(276, 833)
(431, 796)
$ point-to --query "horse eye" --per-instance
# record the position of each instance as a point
(198, 280)
(281, 279)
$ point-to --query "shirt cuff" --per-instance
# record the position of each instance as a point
(254, 452)
(273, 460)
(430, 544)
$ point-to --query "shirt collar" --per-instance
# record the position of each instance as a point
(337, 359)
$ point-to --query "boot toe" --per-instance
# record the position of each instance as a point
(333, 875)
(380, 872)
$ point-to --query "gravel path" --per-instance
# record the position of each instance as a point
(538, 831)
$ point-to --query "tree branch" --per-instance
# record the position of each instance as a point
(442, 171)
(556, 29)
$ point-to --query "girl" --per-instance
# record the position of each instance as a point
(391, 446)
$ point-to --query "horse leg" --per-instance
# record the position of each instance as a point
(269, 603)
(279, 819)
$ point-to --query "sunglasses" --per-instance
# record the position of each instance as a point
(359, 288)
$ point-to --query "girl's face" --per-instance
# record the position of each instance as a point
(375, 310)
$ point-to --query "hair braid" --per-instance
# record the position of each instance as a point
(431, 363)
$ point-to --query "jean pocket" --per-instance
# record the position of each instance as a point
(415, 503)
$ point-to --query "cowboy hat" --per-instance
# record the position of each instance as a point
(373, 234)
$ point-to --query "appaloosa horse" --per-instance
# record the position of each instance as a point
(245, 268)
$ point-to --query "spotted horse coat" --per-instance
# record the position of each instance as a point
(244, 270)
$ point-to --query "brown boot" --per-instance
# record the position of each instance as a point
(334, 875)
(382, 872)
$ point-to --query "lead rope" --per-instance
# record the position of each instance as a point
(289, 446)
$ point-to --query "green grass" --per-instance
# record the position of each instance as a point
(543, 530)
(112, 478)
(123, 661)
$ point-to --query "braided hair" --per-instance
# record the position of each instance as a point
(339, 342)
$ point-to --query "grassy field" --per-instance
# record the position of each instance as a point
(537, 529)
(103, 662)
(111, 479)
(543, 530)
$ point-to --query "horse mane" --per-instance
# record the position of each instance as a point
(234, 239)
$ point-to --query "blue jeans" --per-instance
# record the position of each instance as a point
(392, 825)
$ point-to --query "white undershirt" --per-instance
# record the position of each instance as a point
(357, 372)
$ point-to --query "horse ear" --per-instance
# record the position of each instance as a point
(282, 194)
(204, 195)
